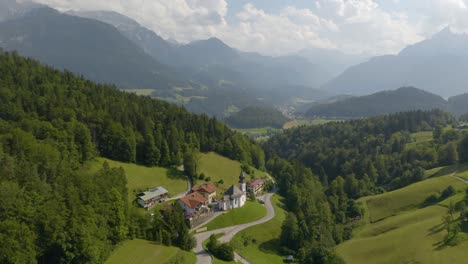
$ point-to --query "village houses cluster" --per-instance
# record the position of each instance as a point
(197, 203)
(203, 199)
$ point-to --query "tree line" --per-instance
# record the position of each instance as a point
(322, 170)
(53, 122)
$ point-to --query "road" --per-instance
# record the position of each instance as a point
(203, 257)
(180, 195)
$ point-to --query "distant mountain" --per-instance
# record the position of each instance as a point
(212, 63)
(400, 100)
(438, 64)
(255, 117)
(458, 105)
(11, 8)
(146, 39)
(84, 46)
(334, 62)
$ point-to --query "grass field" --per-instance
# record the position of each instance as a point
(251, 211)
(220, 168)
(265, 250)
(147, 252)
(141, 178)
(305, 122)
(411, 197)
(401, 231)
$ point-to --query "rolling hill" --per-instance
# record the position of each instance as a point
(400, 100)
(438, 64)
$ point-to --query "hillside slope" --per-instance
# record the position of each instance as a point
(400, 220)
(400, 100)
(84, 46)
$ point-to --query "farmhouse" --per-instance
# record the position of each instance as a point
(256, 186)
(194, 204)
(234, 197)
(208, 190)
(152, 197)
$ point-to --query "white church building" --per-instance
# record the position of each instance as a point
(234, 197)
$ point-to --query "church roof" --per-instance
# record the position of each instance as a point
(234, 192)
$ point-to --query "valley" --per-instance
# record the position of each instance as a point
(227, 131)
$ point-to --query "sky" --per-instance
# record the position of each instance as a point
(278, 27)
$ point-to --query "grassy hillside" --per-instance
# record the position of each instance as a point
(399, 230)
(218, 168)
(146, 252)
(141, 178)
(265, 248)
(411, 197)
(251, 211)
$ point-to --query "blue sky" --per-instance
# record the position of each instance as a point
(277, 27)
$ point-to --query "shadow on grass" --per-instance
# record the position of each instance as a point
(173, 173)
(271, 246)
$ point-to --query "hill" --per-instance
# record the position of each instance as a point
(52, 124)
(436, 64)
(253, 117)
(104, 55)
(400, 100)
(458, 105)
(400, 218)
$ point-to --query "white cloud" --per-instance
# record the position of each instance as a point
(353, 26)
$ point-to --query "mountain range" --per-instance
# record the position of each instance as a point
(437, 65)
(386, 102)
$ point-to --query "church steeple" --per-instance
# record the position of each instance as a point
(242, 185)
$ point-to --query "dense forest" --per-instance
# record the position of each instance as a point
(253, 117)
(51, 122)
(323, 169)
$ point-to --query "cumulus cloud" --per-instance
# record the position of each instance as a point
(352, 26)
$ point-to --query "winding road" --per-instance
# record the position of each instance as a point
(203, 257)
(180, 195)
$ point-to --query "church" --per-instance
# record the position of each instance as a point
(234, 197)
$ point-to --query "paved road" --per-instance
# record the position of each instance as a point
(180, 195)
(203, 257)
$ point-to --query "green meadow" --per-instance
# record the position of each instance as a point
(260, 243)
(147, 252)
(219, 168)
(400, 230)
(141, 178)
(251, 211)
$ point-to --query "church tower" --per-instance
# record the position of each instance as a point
(242, 185)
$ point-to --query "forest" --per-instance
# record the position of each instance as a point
(322, 170)
(51, 123)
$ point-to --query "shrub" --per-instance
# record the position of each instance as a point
(449, 191)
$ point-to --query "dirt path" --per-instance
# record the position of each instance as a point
(203, 257)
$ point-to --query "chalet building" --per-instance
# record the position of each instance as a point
(194, 205)
(256, 187)
(152, 197)
(208, 190)
(234, 197)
